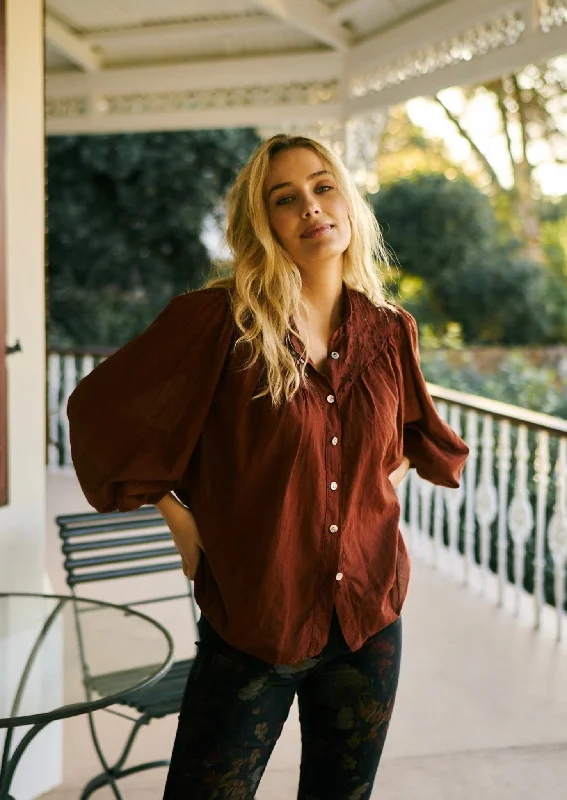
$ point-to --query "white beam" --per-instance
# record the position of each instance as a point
(73, 47)
(187, 30)
(533, 49)
(214, 74)
(426, 28)
(346, 9)
(249, 116)
(310, 16)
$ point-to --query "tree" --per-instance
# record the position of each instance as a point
(126, 216)
(406, 149)
(457, 265)
(531, 106)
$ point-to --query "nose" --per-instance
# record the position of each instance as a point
(311, 207)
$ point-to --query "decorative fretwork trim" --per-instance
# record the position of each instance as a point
(309, 94)
(552, 14)
(62, 107)
(501, 32)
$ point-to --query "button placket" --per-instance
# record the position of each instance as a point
(333, 472)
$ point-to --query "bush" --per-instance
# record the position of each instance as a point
(517, 382)
(445, 233)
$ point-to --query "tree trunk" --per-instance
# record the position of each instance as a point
(523, 193)
(495, 183)
(525, 185)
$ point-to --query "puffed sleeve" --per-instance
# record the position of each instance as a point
(136, 418)
(433, 448)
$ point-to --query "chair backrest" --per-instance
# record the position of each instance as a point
(102, 547)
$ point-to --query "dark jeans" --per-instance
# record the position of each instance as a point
(235, 707)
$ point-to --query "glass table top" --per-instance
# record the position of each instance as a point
(61, 656)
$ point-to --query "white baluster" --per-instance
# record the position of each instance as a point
(53, 387)
(426, 492)
(402, 492)
(414, 508)
(542, 466)
(69, 383)
(438, 506)
(557, 534)
(470, 483)
(454, 500)
(86, 365)
(504, 457)
(438, 519)
(520, 514)
(486, 501)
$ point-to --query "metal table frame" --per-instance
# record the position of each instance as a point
(38, 722)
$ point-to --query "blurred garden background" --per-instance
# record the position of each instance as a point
(472, 198)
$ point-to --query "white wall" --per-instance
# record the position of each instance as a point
(22, 523)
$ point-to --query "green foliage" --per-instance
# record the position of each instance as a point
(517, 382)
(125, 216)
(445, 233)
(554, 246)
(406, 149)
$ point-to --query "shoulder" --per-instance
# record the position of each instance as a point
(406, 322)
(387, 325)
(388, 318)
(209, 300)
(201, 309)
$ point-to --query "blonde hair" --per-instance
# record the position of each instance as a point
(263, 281)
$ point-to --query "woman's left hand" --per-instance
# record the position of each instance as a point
(397, 476)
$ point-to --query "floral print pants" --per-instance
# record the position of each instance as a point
(235, 707)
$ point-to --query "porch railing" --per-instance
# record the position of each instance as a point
(504, 530)
(65, 368)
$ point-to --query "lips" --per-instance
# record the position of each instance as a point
(316, 230)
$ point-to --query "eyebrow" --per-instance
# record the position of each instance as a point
(288, 183)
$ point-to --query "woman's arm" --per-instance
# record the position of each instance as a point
(183, 527)
(436, 451)
(141, 411)
(397, 476)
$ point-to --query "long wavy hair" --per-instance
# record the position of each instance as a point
(265, 284)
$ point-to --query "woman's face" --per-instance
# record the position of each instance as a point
(307, 213)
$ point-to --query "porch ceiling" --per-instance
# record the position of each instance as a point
(156, 64)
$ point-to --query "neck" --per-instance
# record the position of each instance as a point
(323, 295)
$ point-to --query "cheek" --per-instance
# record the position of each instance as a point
(346, 228)
(282, 228)
(339, 210)
(276, 225)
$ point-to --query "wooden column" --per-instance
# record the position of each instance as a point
(3, 376)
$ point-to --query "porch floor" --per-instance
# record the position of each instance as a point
(481, 710)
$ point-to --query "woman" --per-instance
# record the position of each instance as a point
(282, 405)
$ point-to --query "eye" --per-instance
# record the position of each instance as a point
(284, 201)
(323, 189)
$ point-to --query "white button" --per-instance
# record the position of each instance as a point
(339, 576)
(330, 398)
(334, 354)
(334, 528)
(334, 440)
(334, 485)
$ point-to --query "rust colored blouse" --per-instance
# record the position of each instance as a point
(293, 504)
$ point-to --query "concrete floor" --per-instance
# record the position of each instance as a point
(481, 709)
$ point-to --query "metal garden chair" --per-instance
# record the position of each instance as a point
(102, 547)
